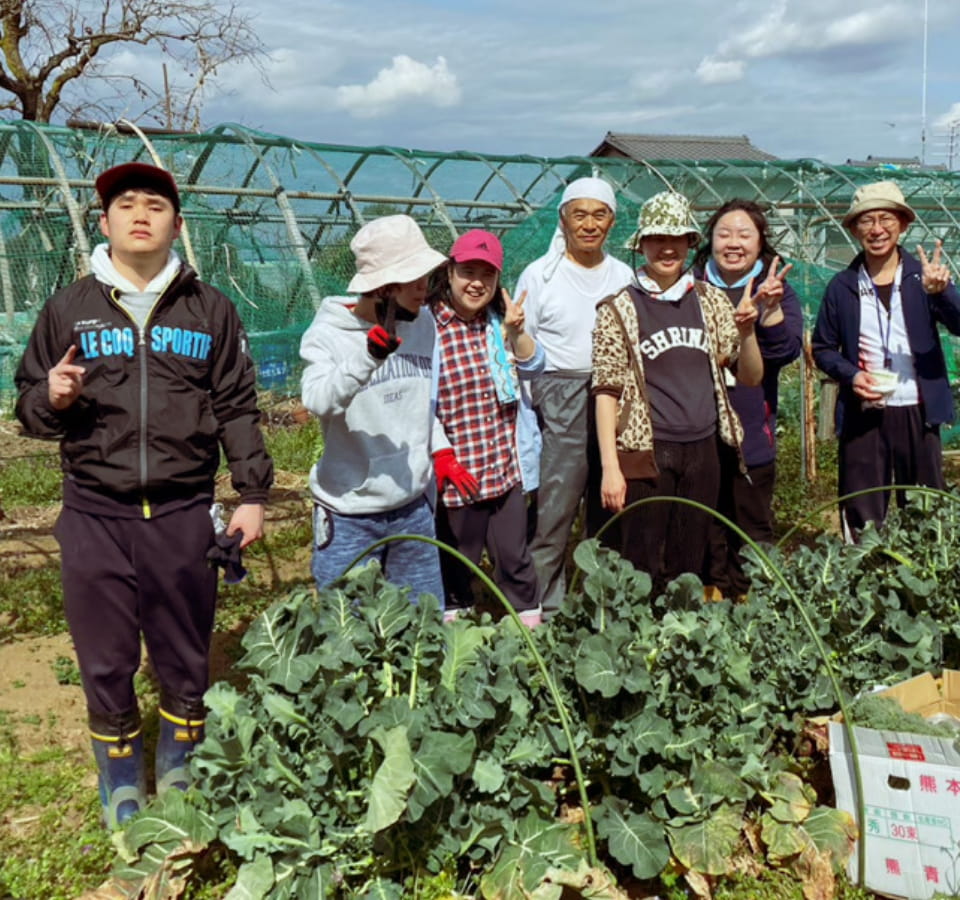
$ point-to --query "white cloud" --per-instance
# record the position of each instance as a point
(295, 80)
(949, 118)
(865, 27)
(652, 85)
(815, 30)
(719, 71)
(404, 80)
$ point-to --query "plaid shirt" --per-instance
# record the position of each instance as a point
(481, 430)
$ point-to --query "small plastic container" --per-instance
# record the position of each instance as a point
(884, 382)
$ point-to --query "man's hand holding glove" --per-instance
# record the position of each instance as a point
(448, 469)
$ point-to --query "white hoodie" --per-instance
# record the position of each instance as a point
(378, 419)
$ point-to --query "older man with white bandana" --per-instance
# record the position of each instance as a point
(562, 290)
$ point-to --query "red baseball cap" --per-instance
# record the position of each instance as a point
(130, 176)
(480, 245)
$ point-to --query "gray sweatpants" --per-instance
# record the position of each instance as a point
(562, 402)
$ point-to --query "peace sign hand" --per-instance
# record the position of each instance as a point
(934, 274)
(770, 292)
(747, 311)
(513, 316)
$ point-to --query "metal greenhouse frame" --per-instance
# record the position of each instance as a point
(269, 218)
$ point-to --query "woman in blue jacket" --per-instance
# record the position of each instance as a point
(737, 253)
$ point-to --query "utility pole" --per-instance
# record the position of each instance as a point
(923, 101)
(952, 142)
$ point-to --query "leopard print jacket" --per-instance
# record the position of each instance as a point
(615, 373)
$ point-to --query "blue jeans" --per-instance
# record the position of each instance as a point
(339, 539)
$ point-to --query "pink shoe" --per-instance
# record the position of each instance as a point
(532, 617)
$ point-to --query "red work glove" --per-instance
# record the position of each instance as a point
(448, 469)
(380, 343)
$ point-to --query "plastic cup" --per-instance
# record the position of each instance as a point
(884, 382)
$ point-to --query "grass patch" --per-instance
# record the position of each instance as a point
(31, 601)
(795, 496)
(66, 670)
(775, 884)
(30, 480)
(52, 845)
(294, 448)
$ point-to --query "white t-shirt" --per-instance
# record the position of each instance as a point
(561, 306)
(883, 337)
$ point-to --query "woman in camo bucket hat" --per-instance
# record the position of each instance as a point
(666, 213)
(663, 349)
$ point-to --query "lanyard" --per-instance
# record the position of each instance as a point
(894, 296)
(884, 337)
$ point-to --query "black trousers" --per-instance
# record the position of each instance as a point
(127, 577)
(666, 539)
(747, 504)
(500, 525)
(890, 445)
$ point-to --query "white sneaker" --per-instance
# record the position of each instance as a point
(449, 615)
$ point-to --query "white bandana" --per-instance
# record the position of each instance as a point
(580, 189)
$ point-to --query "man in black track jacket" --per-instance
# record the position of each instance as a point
(142, 372)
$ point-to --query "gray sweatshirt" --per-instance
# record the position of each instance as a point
(378, 417)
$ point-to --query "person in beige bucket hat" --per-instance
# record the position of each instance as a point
(369, 378)
(879, 195)
(876, 335)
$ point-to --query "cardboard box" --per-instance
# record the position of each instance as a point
(911, 785)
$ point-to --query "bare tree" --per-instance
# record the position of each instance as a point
(55, 54)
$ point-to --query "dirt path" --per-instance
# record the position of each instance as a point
(42, 711)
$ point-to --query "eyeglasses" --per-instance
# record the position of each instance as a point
(885, 220)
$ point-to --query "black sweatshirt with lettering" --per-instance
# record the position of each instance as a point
(157, 402)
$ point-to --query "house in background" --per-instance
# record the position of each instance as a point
(687, 147)
(896, 162)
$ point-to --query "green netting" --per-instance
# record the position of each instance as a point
(269, 219)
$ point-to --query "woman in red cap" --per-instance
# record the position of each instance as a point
(493, 458)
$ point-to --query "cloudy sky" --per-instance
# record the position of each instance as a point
(832, 79)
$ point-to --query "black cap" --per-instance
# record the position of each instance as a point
(130, 176)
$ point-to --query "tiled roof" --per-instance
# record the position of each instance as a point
(680, 146)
